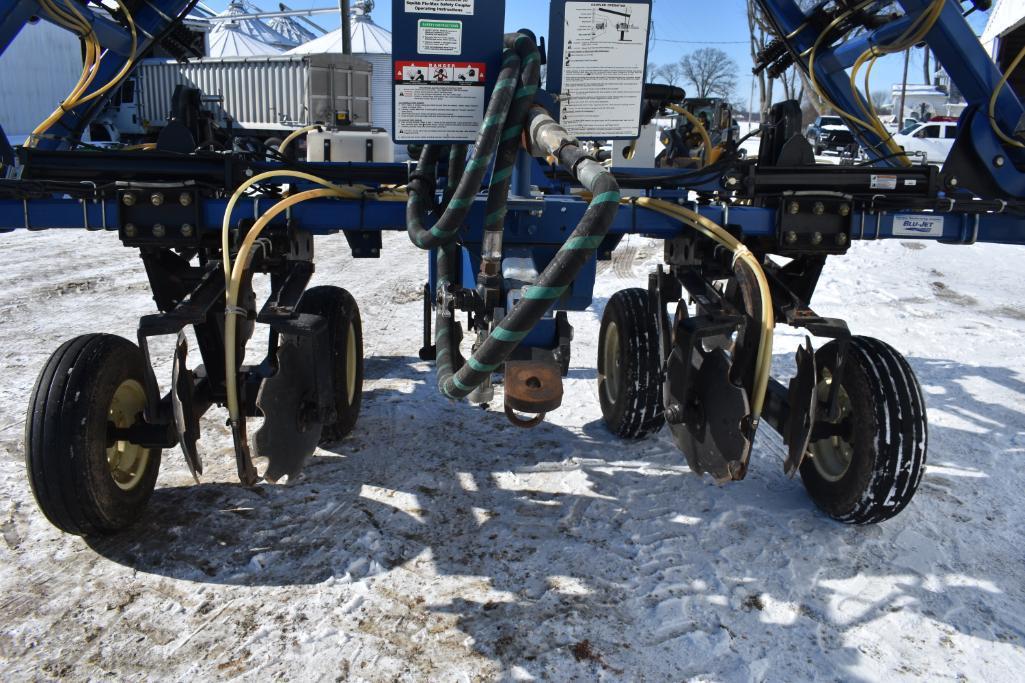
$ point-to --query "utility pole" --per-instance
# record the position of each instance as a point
(343, 8)
(903, 90)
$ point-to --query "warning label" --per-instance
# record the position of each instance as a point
(439, 101)
(604, 57)
(440, 6)
(435, 37)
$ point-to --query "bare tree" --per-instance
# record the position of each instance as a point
(671, 74)
(794, 80)
(711, 72)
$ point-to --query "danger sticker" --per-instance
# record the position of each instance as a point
(917, 226)
(439, 101)
(440, 6)
(434, 37)
(441, 73)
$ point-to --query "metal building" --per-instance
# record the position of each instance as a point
(33, 86)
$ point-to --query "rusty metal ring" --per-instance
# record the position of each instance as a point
(517, 421)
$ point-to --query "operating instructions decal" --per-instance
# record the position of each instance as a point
(440, 6)
(441, 101)
(604, 56)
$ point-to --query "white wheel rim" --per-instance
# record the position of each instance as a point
(350, 363)
(832, 456)
(611, 362)
(127, 461)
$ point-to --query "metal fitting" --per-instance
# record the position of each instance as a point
(999, 161)
(674, 414)
(791, 237)
(795, 208)
(845, 210)
(158, 230)
(841, 239)
(128, 199)
(130, 230)
(818, 209)
(187, 230)
(156, 199)
(816, 238)
(185, 199)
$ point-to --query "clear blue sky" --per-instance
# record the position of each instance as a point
(680, 26)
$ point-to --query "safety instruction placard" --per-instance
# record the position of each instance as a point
(439, 37)
(439, 101)
(440, 6)
(604, 55)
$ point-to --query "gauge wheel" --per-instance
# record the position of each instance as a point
(85, 482)
(629, 377)
(345, 330)
(865, 465)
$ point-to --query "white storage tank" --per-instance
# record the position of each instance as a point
(359, 146)
(371, 43)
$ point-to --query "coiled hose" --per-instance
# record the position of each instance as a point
(554, 281)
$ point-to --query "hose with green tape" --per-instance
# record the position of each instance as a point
(419, 188)
(552, 139)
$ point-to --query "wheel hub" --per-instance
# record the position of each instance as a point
(612, 363)
(127, 461)
(833, 455)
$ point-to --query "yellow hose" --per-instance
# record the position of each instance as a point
(74, 21)
(241, 264)
(763, 363)
(993, 102)
(302, 131)
(696, 122)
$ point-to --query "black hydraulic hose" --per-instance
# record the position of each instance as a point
(447, 227)
(550, 138)
(508, 149)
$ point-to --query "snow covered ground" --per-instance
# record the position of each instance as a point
(439, 543)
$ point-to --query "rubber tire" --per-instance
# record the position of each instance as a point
(637, 412)
(66, 437)
(340, 308)
(886, 469)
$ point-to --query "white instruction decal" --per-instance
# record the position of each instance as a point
(440, 6)
(604, 57)
(883, 182)
(438, 37)
(439, 101)
(917, 226)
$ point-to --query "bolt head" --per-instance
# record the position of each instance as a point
(953, 182)
(156, 199)
(791, 237)
(129, 199)
(187, 230)
(795, 208)
(249, 173)
(999, 161)
(159, 230)
(816, 238)
(185, 199)
(674, 413)
(732, 181)
(845, 210)
(841, 239)
(130, 230)
(819, 208)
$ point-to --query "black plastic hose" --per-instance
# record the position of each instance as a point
(550, 138)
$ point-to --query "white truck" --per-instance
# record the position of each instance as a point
(930, 141)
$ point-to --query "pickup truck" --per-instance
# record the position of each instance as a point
(930, 141)
(828, 133)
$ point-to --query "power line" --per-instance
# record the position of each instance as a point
(702, 42)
